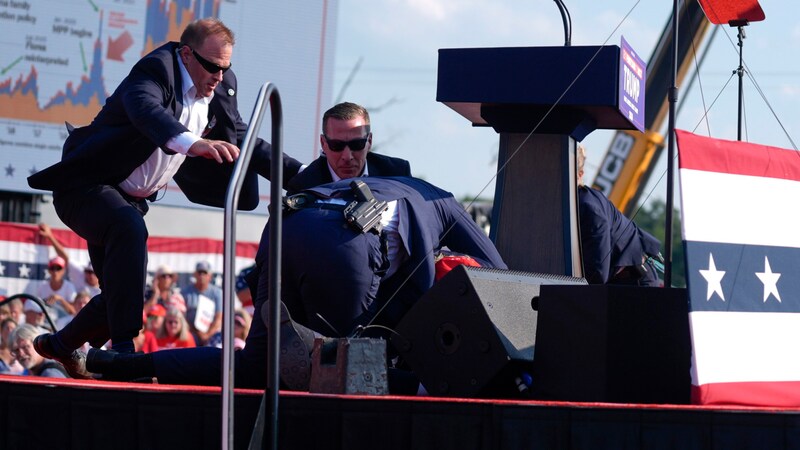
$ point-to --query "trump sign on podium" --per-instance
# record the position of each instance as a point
(633, 73)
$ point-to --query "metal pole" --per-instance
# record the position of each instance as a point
(673, 99)
(740, 72)
(267, 91)
(275, 248)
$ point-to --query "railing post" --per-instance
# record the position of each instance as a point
(267, 94)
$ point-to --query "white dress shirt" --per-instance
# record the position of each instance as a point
(160, 167)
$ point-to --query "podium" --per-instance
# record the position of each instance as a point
(541, 100)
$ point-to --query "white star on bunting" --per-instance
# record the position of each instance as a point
(24, 271)
(714, 279)
(770, 281)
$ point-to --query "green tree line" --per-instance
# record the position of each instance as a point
(652, 218)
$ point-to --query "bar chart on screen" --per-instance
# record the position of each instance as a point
(61, 60)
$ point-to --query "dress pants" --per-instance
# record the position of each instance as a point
(113, 226)
(203, 365)
(328, 269)
(331, 273)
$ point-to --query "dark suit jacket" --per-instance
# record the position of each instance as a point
(430, 218)
(609, 240)
(317, 172)
(142, 115)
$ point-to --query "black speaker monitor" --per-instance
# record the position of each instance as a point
(473, 333)
(603, 343)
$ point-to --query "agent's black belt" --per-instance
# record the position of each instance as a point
(131, 198)
(305, 200)
(362, 214)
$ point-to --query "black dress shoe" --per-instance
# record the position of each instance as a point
(115, 366)
(74, 363)
(295, 350)
(100, 360)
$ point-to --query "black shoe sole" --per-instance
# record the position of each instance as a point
(295, 356)
(295, 361)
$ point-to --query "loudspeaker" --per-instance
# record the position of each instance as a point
(625, 344)
(473, 333)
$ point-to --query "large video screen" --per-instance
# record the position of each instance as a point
(60, 59)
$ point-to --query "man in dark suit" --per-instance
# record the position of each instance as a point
(420, 220)
(346, 141)
(330, 270)
(615, 250)
(175, 114)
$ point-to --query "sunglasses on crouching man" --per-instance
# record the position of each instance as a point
(355, 144)
(208, 65)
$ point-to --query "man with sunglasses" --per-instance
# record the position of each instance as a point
(174, 115)
(346, 141)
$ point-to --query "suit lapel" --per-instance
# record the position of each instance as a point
(371, 169)
(215, 108)
(178, 105)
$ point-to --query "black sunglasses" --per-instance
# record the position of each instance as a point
(355, 144)
(208, 65)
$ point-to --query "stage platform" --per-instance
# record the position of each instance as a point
(45, 413)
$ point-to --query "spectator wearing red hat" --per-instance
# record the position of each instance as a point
(57, 292)
(81, 275)
(155, 318)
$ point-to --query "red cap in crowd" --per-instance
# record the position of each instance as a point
(57, 262)
(157, 310)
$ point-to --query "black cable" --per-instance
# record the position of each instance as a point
(696, 75)
(752, 78)
(36, 300)
(705, 113)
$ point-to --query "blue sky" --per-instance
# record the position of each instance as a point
(397, 42)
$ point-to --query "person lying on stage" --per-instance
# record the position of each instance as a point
(335, 277)
(615, 250)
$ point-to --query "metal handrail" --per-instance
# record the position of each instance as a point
(267, 93)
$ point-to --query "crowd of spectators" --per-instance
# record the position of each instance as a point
(174, 315)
